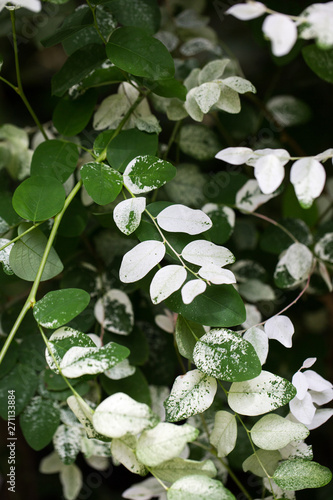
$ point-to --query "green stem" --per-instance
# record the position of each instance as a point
(31, 300)
(8, 83)
(19, 88)
(20, 235)
(172, 138)
(93, 10)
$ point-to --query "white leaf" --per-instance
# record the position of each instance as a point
(33, 5)
(110, 112)
(273, 432)
(191, 394)
(324, 248)
(205, 253)
(166, 281)
(147, 489)
(259, 340)
(308, 177)
(298, 261)
(281, 154)
(217, 275)
(66, 442)
(127, 214)
(249, 197)
(121, 370)
(182, 219)
(115, 312)
(140, 260)
(303, 409)
(247, 11)
(323, 397)
(235, 156)
(280, 328)
(166, 321)
(321, 416)
(191, 80)
(269, 173)
(224, 433)
(239, 85)
(308, 362)
(192, 107)
(212, 70)
(300, 382)
(259, 395)
(71, 480)
(253, 315)
(198, 487)
(123, 450)
(282, 32)
(206, 95)
(163, 442)
(325, 155)
(229, 99)
(119, 414)
(191, 289)
(316, 382)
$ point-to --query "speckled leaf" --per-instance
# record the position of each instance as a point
(60, 306)
(324, 248)
(198, 487)
(206, 95)
(66, 442)
(262, 462)
(166, 281)
(205, 253)
(164, 442)
(102, 182)
(140, 260)
(39, 421)
(80, 361)
(191, 393)
(176, 468)
(4, 255)
(115, 312)
(300, 474)
(127, 214)
(182, 219)
(224, 434)
(260, 395)
(145, 173)
(123, 450)
(84, 414)
(273, 432)
(223, 354)
(119, 414)
(239, 84)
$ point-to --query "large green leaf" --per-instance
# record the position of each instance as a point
(60, 306)
(39, 421)
(77, 67)
(26, 256)
(167, 88)
(143, 14)
(55, 159)
(300, 474)
(320, 61)
(135, 386)
(128, 145)
(217, 306)
(138, 53)
(39, 198)
(8, 217)
(71, 116)
(74, 23)
(22, 380)
(102, 182)
(227, 356)
(103, 76)
(186, 333)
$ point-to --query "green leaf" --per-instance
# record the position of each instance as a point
(71, 116)
(217, 306)
(8, 217)
(199, 142)
(74, 23)
(227, 356)
(128, 145)
(143, 14)
(300, 474)
(114, 312)
(102, 182)
(275, 240)
(103, 76)
(273, 432)
(60, 306)
(10, 359)
(26, 256)
(186, 334)
(320, 61)
(145, 173)
(77, 67)
(39, 421)
(223, 219)
(167, 88)
(198, 488)
(39, 198)
(164, 442)
(262, 462)
(136, 342)
(22, 380)
(54, 158)
(191, 393)
(132, 50)
(119, 414)
(224, 433)
(176, 468)
(260, 395)
(135, 386)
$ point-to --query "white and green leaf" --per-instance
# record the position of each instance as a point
(127, 214)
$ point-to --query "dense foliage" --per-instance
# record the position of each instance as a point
(167, 247)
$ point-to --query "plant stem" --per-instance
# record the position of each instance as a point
(8, 83)
(272, 221)
(172, 138)
(31, 300)
(19, 88)
(93, 10)
(21, 235)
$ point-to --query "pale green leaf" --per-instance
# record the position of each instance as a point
(262, 463)
(273, 432)
(71, 480)
(198, 488)
(176, 468)
(300, 474)
(123, 450)
(224, 433)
